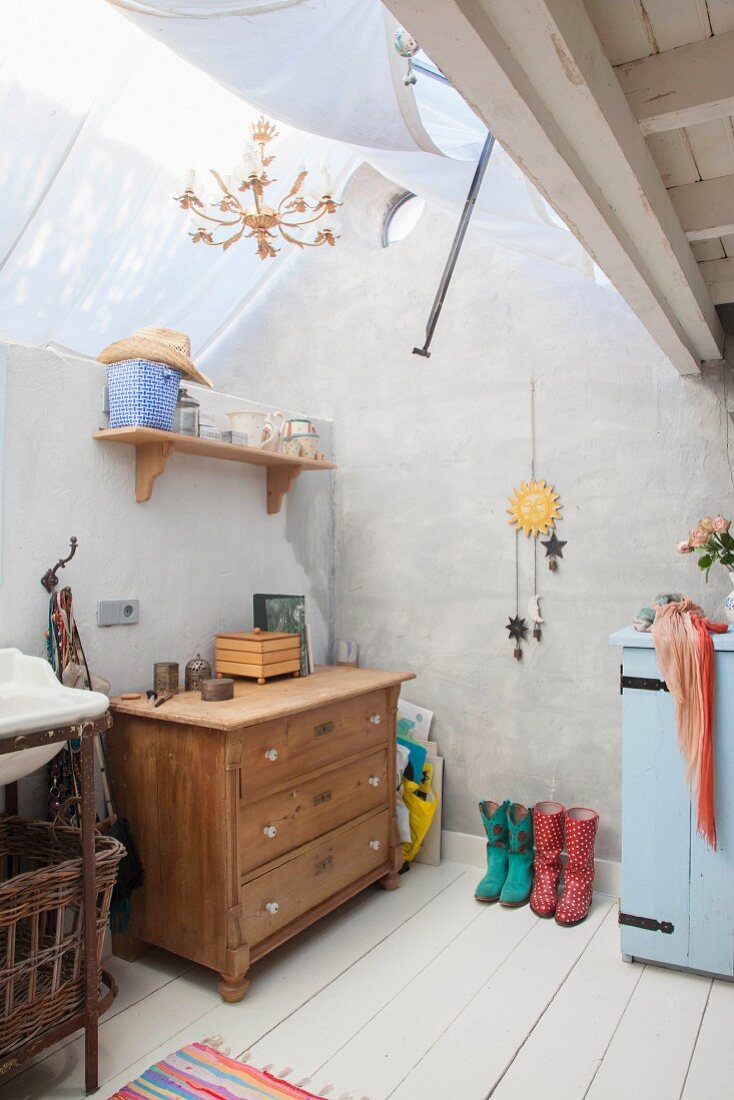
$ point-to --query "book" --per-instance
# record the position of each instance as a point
(284, 613)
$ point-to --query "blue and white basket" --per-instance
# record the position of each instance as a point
(142, 394)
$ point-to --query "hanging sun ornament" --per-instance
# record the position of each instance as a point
(534, 508)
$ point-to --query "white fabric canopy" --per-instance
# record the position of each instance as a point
(98, 118)
(329, 66)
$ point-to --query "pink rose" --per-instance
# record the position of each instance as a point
(685, 547)
(698, 537)
(706, 524)
(721, 524)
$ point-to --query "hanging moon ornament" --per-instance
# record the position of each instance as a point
(534, 508)
(534, 610)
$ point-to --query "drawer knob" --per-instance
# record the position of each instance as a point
(374, 781)
(270, 831)
(272, 907)
(271, 754)
(375, 719)
(375, 845)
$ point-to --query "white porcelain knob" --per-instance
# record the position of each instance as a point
(272, 907)
(271, 754)
(375, 845)
(374, 781)
(375, 719)
(270, 831)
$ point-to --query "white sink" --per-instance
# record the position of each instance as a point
(31, 698)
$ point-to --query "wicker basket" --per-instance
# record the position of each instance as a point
(41, 924)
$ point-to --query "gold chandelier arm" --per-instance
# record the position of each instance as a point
(297, 225)
(294, 240)
(219, 221)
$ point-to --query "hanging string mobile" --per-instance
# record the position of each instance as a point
(534, 508)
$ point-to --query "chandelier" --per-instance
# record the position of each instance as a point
(258, 220)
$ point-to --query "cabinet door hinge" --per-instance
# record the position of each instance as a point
(649, 924)
(641, 683)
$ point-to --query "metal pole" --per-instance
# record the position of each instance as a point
(463, 225)
(89, 906)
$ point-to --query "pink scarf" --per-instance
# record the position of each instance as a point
(685, 652)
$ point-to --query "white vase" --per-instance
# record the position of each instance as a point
(729, 602)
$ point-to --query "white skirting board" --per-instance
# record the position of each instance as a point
(472, 850)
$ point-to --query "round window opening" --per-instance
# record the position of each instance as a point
(402, 219)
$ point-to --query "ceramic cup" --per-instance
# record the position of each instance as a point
(262, 429)
(302, 446)
(298, 427)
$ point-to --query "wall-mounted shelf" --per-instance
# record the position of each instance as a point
(153, 448)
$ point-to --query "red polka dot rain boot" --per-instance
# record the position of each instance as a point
(574, 903)
(519, 881)
(548, 828)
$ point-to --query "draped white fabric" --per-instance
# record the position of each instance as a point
(97, 121)
(329, 66)
(99, 115)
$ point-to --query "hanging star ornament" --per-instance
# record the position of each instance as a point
(554, 549)
(517, 628)
(534, 508)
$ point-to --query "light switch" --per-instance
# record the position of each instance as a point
(117, 612)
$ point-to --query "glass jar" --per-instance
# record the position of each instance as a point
(186, 419)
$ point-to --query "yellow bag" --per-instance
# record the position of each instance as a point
(420, 810)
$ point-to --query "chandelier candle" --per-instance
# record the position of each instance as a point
(259, 221)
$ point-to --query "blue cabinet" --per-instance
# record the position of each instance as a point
(669, 874)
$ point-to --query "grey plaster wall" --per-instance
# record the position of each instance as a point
(193, 554)
(429, 451)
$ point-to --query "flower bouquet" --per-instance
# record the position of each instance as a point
(710, 538)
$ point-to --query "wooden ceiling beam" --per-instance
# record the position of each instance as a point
(706, 208)
(719, 274)
(681, 87)
(544, 86)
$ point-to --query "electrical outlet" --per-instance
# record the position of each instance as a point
(117, 612)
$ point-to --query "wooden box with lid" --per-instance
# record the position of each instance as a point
(258, 815)
(258, 654)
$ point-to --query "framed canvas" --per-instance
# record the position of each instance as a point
(413, 721)
(286, 613)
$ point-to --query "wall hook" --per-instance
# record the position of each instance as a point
(49, 580)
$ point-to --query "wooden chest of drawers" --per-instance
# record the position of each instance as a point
(256, 816)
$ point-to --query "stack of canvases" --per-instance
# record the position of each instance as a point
(515, 875)
(420, 769)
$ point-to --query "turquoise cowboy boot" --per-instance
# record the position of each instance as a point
(494, 816)
(519, 881)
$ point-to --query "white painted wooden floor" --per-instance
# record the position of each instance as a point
(425, 994)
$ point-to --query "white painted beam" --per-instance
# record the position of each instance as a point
(681, 87)
(705, 209)
(719, 274)
(544, 86)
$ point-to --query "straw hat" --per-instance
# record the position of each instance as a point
(160, 345)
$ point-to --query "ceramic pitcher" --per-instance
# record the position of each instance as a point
(262, 429)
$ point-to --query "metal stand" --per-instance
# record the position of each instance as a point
(94, 1005)
(466, 214)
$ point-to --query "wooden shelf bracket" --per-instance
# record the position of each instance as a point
(150, 461)
(280, 479)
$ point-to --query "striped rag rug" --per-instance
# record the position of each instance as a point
(199, 1072)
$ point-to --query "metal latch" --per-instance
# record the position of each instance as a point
(325, 727)
(641, 683)
(649, 924)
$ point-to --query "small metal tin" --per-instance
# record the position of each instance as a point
(239, 438)
(165, 677)
(197, 670)
(217, 690)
